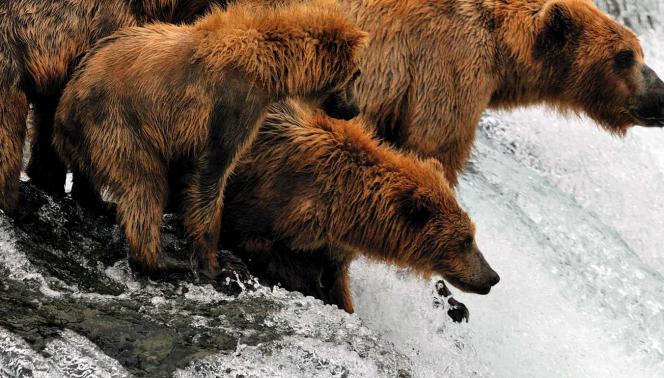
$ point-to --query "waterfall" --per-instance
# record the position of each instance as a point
(639, 15)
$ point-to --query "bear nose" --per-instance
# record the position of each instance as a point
(494, 278)
(660, 100)
(353, 112)
(649, 107)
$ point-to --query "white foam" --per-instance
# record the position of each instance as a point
(17, 359)
(318, 340)
(75, 356)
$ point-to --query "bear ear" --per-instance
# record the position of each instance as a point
(557, 28)
(358, 39)
(416, 209)
(436, 165)
(349, 42)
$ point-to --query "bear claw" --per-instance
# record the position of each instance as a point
(233, 265)
(163, 266)
(458, 311)
(230, 266)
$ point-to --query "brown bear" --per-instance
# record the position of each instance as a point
(433, 67)
(313, 193)
(40, 42)
(145, 97)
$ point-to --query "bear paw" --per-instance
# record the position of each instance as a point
(457, 311)
(230, 266)
(164, 266)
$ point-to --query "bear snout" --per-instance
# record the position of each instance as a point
(494, 278)
(341, 106)
(480, 277)
(352, 112)
(648, 108)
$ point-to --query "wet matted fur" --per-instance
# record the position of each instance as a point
(313, 193)
(40, 43)
(149, 96)
(433, 67)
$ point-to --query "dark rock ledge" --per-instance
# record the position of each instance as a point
(69, 306)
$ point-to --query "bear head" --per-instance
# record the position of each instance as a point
(435, 231)
(342, 104)
(583, 60)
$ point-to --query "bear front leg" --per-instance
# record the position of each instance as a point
(203, 208)
(202, 222)
(453, 159)
(140, 210)
(234, 124)
(339, 293)
(13, 114)
(46, 170)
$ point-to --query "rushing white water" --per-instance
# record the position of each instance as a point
(69, 355)
(571, 218)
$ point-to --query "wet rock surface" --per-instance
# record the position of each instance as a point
(69, 305)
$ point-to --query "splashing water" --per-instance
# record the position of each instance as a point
(70, 306)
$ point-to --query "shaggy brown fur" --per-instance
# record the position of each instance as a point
(353, 195)
(40, 41)
(146, 97)
(433, 67)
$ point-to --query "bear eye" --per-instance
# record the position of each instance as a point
(467, 244)
(624, 60)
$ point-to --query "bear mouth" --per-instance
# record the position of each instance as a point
(469, 288)
(647, 121)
